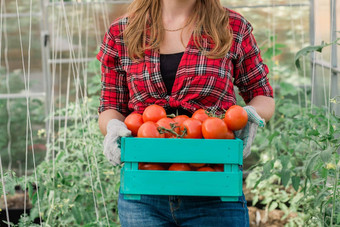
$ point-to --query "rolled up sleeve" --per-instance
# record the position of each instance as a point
(250, 73)
(114, 90)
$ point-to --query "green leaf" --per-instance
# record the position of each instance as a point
(255, 199)
(283, 207)
(284, 161)
(289, 110)
(258, 181)
(272, 136)
(76, 214)
(326, 155)
(117, 186)
(34, 198)
(287, 89)
(34, 213)
(280, 45)
(296, 182)
(285, 176)
(59, 156)
(93, 90)
(41, 191)
(331, 129)
(324, 172)
(320, 197)
(310, 164)
(309, 49)
(30, 190)
(313, 132)
(267, 168)
(273, 206)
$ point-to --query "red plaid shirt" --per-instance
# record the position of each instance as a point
(200, 82)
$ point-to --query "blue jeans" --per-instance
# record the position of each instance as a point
(166, 211)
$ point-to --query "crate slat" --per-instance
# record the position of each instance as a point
(182, 150)
(184, 183)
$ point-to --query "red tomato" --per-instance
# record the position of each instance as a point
(193, 128)
(197, 165)
(165, 165)
(149, 130)
(206, 168)
(236, 118)
(180, 167)
(133, 121)
(140, 164)
(200, 114)
(151, 166)
(165, 122)
(214, 128)
(218, 167)
(230, 135)
(153, 113)
(180, 118)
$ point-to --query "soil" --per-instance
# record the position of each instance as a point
(258, 217)
(15, 201)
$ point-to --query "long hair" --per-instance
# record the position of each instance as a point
(145, 19)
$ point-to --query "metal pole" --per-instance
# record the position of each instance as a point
(90, 3)
(312, 22)
(22, 95)
(14, 15)
(312, 42)
(327, 65)
(45, 54)
(268, 6)
(231, 7)
(69, 60)
(334, 57)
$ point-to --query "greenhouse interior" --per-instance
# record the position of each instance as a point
(53, 169)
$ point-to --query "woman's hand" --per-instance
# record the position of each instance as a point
(115, 130)
(260, 109)
(248, 133)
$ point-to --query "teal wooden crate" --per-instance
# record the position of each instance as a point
(227, 184)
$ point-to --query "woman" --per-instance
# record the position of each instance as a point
(183, 55)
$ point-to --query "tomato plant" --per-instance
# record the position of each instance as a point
(153, 113)
(236, 118)
(180, 167)
(193, 128)
(180, 119)
(133, 121)
(214, 128)
(149, 129)
(169, 124)
(200, 115)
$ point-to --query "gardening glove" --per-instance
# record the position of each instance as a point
(248, 133)
(115, 130)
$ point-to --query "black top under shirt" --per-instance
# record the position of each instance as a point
(169, 64)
